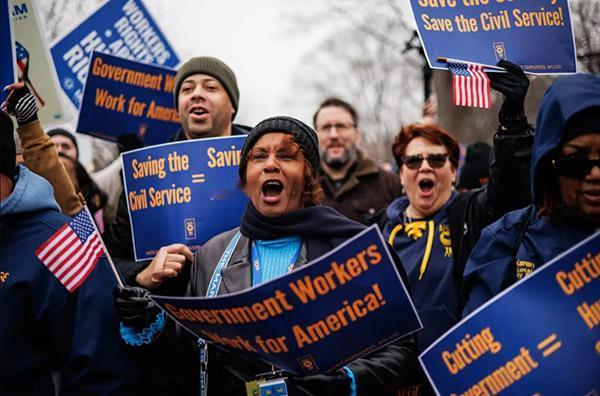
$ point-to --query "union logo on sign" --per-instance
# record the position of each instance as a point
(308, 364)
(190, 229)
(499, 51)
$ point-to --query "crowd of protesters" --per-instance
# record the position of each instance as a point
(456, 239)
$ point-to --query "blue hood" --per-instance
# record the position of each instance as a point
(31, 193)
(565, 98)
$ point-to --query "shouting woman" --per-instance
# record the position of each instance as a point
(283, 228)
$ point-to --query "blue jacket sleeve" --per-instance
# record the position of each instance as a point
(489, 266)
(93, 357)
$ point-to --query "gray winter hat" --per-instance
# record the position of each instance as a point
(212, 67)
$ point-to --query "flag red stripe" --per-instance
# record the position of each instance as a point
(62, 250)
(49, 241)
(67, 265)
(85, 272)
(67, 258)
(90, 251)
(52, 250)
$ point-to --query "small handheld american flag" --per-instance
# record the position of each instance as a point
(471, 86)
(72, 252)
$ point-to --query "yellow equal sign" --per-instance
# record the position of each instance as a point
(198, 178)
(549, 345)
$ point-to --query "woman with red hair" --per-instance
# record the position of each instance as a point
(433, 228)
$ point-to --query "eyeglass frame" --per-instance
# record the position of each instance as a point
(424, 158)
(339, 126)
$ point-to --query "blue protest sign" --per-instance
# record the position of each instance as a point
(307, 321)
(120, 27)
(184, 192)
(123, 97)
(540, 336)
(536, 34)
(8, 72)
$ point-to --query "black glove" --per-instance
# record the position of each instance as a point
(513, 85)
(21, 103)
(321, 384)
(135, 308)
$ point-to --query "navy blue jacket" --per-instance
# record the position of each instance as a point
(43, 327)
(499, 259)
(434, 250)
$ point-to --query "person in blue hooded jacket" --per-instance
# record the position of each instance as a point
(565, 181)
(52, 342)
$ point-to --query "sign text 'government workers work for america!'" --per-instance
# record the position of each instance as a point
(317, 318)
(183, 192)
(539, 337)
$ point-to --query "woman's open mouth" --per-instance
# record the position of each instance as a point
(426, 186)
(271, 190)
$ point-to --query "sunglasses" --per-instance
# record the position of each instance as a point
(415, 161)
(574, 166)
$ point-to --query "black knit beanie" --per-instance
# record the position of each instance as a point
(212, 67)
(304, 135)
(8, 149)
(67, 134)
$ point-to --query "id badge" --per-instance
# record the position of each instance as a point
(252, 388)
(274, 387)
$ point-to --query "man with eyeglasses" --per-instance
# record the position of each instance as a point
(352, 182)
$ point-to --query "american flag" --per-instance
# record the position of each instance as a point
(470, 84)
(22, 59)
(72, 252)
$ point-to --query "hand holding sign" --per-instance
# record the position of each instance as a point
(135, 308)
(168, 263)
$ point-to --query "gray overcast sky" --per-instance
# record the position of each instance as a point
(251, 37)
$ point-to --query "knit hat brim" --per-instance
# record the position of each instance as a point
(212, 67)
(304, 135)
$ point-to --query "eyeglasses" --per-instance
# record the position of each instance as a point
(574, 166)
(415, 161)
(339, 126)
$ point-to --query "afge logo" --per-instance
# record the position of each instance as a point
(308, 364)
(499, 51)
(190, 229)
